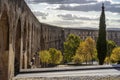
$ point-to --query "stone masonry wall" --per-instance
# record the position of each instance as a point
(21, 36)
(74, 78)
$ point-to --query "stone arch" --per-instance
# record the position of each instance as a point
(4, 45)
(17, 48)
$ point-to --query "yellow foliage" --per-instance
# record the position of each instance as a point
(44, 56)
(107, 60)
(116, 54)
(56, 56)
(85, 51)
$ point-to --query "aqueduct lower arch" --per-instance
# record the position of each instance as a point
(4, 41)
(21, 36)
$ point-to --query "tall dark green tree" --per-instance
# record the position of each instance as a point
(101, 42)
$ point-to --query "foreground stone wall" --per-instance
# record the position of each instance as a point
(74, 78)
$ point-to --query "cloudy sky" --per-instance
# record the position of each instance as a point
(76, 13)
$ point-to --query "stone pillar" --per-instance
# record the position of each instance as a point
(37, 39)
(30, 56)
(26, 47)
(17, 46)
(24, 43)
(4, 45)
(24, 62)
(21, 46)
(12, 31)
(32, 40)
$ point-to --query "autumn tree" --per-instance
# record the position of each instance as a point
(70, 46)
(85, 52)
(44, 58)
(115, 56)
(80, 53)
(78, 58)
(90, 48)
(56, 56)
(101, 42)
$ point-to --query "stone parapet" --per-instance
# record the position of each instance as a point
(73, 78)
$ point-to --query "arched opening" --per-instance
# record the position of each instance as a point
(4, 45)
(17, 48)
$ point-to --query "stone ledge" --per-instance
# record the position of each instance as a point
(44, 70)
(109, 77)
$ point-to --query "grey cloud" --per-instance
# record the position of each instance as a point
(74, 17)
(91, 7)
(43, 15)
(44, 1)
(87, 7)
(38, 13)
(60, 1)
(87, 18)
(113, 9)
(116, 20)
(67, 17)
(116, 4)
(76, 24)
(67, 23)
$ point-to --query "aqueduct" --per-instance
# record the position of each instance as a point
(22, 35)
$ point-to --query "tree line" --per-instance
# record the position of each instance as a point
(79, 51)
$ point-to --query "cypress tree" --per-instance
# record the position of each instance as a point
(101, 42)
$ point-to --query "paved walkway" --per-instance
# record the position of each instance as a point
(106, 70)
(71, 68)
